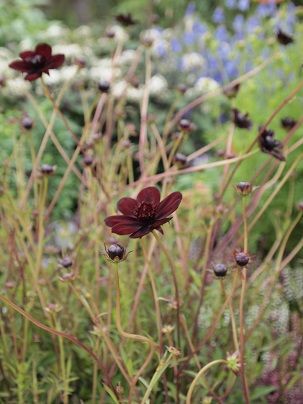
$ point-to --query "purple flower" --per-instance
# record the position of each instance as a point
(175, 45)
(218, 16)
(144, 214)
(230, 4)
(35, 63)
(190, 9)
(243, 5)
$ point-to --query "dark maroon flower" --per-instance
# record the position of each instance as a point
(268, 144)
(144, 214)
(288, 123)
(35, 63)
(283, 38)
(241, 120)
(126, 19)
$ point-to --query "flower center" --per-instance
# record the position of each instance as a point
(145, 211)
(37, 60)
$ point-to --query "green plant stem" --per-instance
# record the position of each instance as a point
(243, 277)
(50, 330)
(163, 365)
(134, 337)
(232, 316)
(199, 375)
(175, 281)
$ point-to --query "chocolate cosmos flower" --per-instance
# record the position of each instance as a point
(142, 215)
(126, 19)
(38, 61)
(241, 120)
(268, 144)
(283, 38)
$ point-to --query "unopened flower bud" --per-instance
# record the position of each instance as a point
(66, 262)
(180, 159)
(116, 252)
(241, 258)
(220, 270)
(47, 169)
(88, 160)
(185, 125)
(27, 123)
(104, 86)
(244, 188)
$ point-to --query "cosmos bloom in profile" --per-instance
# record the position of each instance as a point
(144, 214)
(284, 38)
(241, 120)
(35, 63)
(268, 144)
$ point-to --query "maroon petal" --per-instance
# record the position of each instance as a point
(33, 76)
(159, 229)
(127, 206)
(159, 222)
(56, 61)
(169, 205)
(141, 232)
(149, 195)
(126, 228)
(44, 49)
(27, 54)
(120, 219)
(20, 65)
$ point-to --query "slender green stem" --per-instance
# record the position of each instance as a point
(243, 276)
(198, 377)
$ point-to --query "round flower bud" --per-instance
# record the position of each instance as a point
(288, 123)
(300, 206)
(27, 123)
(244, 188)
(241, 258)
(116, 252)
(66, 262)
(88, 160)
(47, 169)
(182, 88)
(180, 159)
(104, 86)
(220, 270)
(185, 125)
(110, 33)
